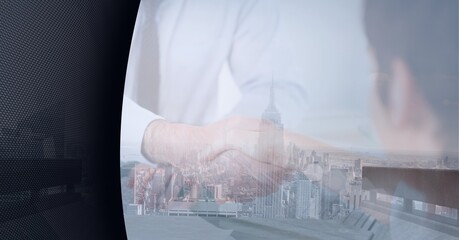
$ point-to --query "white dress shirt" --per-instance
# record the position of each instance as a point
(198, 39)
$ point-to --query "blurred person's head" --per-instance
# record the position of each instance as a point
(415, 49)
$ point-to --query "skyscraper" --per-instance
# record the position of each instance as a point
(303, 196)
(270, 150)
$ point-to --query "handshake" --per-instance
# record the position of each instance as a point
(250, 151)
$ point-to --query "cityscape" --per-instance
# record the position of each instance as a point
(316, 184)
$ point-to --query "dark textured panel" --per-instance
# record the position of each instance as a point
(33, 174)
(62, 67)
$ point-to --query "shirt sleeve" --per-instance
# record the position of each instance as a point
(258, 59)
(134, 121)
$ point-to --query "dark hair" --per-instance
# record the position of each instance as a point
(424, 34)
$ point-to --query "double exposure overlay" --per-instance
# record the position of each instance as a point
(250, 119)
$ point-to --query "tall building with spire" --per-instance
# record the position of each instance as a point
(270, 150)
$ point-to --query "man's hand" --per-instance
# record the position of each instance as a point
(226, 149)
(181, 145)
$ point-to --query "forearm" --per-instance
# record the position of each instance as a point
(185, 146)
(178, 144)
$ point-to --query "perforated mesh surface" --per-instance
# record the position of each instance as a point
(61, 63)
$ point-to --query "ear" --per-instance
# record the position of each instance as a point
(407, 107)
